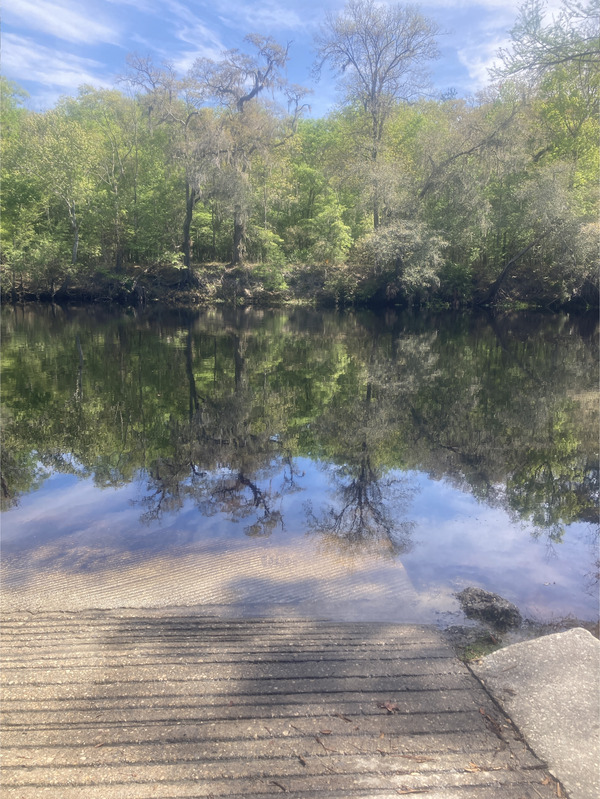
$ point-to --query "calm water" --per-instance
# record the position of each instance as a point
(299, 462)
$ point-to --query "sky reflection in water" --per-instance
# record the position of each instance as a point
(98, 547)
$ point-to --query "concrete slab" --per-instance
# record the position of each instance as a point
(133, 704)
(550, 688)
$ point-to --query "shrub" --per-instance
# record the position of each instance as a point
(399, 261)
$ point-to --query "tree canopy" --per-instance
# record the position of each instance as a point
(395, 196)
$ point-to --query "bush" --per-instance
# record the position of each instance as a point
(270, 276)
(456, 283)
(400, 261)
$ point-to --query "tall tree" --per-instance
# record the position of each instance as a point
(379, 53)
(555, 64)
(61, 154)
(114, 121)
(20, 201)
(178, 103)
(235, 82)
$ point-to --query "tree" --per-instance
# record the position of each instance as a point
(551, 212)
(114, 122)
(234, 82)
(379, 53)
(402, 259)
(169, 100)
(571, 37)
(60, 155)
(20, 200)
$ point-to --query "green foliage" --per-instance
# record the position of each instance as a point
(265, 246)
(270, 276)
(540, 45)
(401, 260)
(456, 201)
(456, 282)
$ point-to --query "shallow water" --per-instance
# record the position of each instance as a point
(299, 463)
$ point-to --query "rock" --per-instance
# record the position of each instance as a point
(491, 608)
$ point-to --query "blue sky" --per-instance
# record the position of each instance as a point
(51, 47)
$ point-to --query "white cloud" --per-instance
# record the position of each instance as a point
(23, 58)
(145, 6)
(478, 59)
(496, 13)
(191, 29)
(262, 14)
(61, 19)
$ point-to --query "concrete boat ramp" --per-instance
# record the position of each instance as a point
(135, 704)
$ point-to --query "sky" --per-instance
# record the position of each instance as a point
(52, 47)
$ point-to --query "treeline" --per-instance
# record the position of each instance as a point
(391, 198)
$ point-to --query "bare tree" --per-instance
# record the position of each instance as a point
(238, 78)
(379, 54)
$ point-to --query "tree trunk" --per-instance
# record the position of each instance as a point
(189, 368)
(239, 360)
(118, 245)
(239, 235)
(495, 287)
(214, 231)
(75, 226)
(374, 158)
(190, 202)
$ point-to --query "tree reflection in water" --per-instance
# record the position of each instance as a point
(367, 514)
(217, 409)
(220, 461)
(367, 511)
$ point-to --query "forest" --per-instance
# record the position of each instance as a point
(219, 186)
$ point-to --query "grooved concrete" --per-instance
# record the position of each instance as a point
(249, 578)
(139, 704)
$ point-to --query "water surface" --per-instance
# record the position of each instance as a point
(299, 463)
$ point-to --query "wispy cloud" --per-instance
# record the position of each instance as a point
(264, 15)
(497, 12)
(191, 29)
(479, 58)
(145, 6)
(511, 6)
(62, 19)
(58, 72)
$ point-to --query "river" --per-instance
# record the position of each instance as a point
(299, 463)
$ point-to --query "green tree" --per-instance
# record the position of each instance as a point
(62, 154)
(537, 47)
(235, 82)
(115, 123)
(379, 53)
(192, 142)
(20, 200)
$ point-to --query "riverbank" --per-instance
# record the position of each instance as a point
(263, 285)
